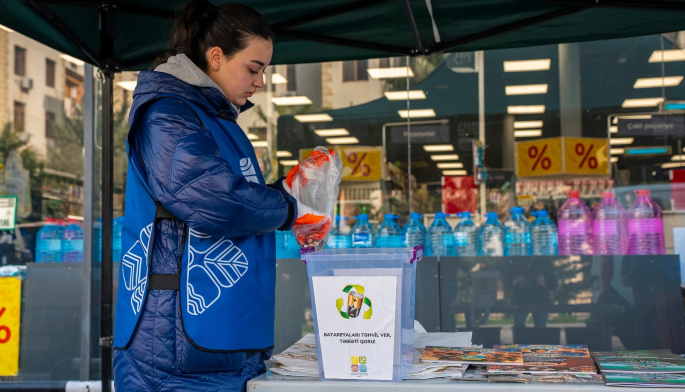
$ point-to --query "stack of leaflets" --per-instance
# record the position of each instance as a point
(298, 360)
(548, 359)
(426, 370)
(645, 368)
(452, 356)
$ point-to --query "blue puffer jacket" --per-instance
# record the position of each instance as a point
(176, 150)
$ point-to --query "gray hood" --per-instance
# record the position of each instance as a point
(181, 67)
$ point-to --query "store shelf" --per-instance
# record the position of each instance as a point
(62, 198)
(359, 201)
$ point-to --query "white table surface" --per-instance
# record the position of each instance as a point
(292, 384)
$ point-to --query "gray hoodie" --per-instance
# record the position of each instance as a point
(181, 67)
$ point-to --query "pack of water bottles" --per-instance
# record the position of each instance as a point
(58, 241)
(608, 230)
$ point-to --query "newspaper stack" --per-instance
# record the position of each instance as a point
(300, 359)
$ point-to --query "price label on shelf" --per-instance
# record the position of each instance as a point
(8, 212)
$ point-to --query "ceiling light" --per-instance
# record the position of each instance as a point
(252, 136)
(7, 29)
(528, 133)
(527, 65)
(402, 95)
(260, 144)
(641, 102)
(527, 124)
(617, 141)
(386, 73)
(293, 162)
(667, 55)
(305, 118)
(643, 151)
(438, 147)
(668, 81)
(332, 132)
(637, 117)
(526, 89)
(342, 140)
(283, 154)
(678, 158)
(416, 113)
(614, 159)
(673, 165)
(617, 151)
(454, 172)
(128, 85)
(72, 60)
(450, 165)
(526, 109)
(277, 78)
(446, 157)
(291, 101)
(613, 129)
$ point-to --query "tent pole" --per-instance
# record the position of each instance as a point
(110, 67)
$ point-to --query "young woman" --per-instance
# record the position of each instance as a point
(195, 302)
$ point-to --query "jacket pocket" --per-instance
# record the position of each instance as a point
(191, 360)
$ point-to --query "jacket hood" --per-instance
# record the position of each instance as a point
(182, 78)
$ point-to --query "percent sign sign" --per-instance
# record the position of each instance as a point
(360, 166)
(580, 151)
(544, 162)
(4, 330)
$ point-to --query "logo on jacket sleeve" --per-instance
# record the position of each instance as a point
(213, 265)
(134, 268)
(248, 170)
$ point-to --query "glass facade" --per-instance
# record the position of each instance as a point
(476, 132)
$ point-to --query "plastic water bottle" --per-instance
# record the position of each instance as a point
(292, 248)
(440, 237)
(465, 236)
(72, 243)
(544, 233)
(608, 227)
(389, 233)
(575, 226)
(414, 232)
(49, 243)
(362, 232)
(491, 236)
(280, 245)
(340, 234)
(517, 234)
(645, 226)
(117, 226)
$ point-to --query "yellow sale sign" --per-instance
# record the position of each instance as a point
(584, 155)
(10, 309)
(539, 157)
(359, 163)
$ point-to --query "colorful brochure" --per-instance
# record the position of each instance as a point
(474, 356)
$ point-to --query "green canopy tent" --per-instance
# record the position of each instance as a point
(117, 35)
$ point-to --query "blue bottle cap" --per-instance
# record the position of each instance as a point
(415, 215)
(465, 214)
(362, 217)
(491, 215)
(540, 214)
(390, 216)
(516, 210)
(441, 215)
(337, 218)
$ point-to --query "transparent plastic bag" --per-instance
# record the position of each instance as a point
(314, 183)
